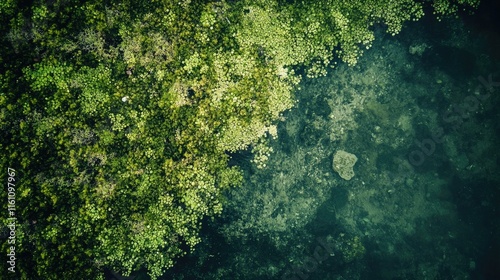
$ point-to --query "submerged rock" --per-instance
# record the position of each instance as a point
(343, 162)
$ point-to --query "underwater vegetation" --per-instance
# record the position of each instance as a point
(197, 140)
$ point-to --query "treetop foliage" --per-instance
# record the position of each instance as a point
(119, 115)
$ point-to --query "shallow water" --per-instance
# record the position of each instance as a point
(419, 111)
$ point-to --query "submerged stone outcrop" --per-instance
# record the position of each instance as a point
(343, 163)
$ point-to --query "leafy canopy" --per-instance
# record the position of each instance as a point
(119, 115)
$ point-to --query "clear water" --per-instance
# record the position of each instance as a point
(420, 113)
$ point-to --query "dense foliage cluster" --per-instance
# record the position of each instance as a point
(119, 116)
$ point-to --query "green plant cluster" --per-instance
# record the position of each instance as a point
(350, 249)
(119, 115)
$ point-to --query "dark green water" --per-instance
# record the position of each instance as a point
(420, 113)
